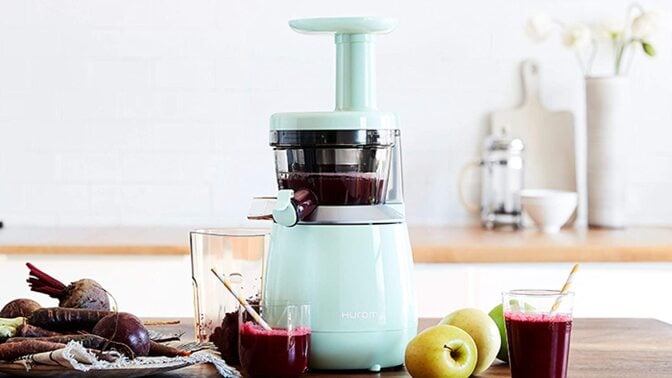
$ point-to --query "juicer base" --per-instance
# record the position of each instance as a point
(358, 350)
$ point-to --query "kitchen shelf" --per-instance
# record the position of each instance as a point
(94, 240)
(475, 245)
(430, 244)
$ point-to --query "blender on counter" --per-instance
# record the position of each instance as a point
(339, 241)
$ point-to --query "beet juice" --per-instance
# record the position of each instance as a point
(275, 353)
(538, 344)
(337, 188)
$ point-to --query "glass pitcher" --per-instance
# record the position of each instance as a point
(502, 174)
(238, 253)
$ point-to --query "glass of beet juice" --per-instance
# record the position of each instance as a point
(538, 334)
(282, 351)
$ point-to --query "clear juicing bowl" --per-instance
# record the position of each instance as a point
(238, 253)
(341, 167)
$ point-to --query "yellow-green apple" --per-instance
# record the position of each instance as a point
(441, 351)
(482, 329)
(497, 314)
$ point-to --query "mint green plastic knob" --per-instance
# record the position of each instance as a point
(284, 212)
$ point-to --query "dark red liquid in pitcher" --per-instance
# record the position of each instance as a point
(337, 188)
(275, 353)
(538, 344)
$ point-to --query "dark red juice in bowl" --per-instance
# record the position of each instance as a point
(275, 353)
(538, 344)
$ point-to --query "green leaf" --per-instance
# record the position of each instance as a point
(7, 332)
(648, 49)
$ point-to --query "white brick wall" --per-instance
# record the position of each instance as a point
(156, 112)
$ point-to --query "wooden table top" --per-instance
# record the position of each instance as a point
(455, 244)
(599, 348)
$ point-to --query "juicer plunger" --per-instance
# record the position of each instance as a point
(340, 241)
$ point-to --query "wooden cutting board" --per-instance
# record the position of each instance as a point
(548, 136)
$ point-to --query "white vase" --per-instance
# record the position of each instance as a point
(607, 124)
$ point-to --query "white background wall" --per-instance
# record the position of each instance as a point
(156, 111)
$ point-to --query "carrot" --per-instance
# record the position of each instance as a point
(66, 319)
(27, 330)
(87, 340)
(158, 349)
(12, 351)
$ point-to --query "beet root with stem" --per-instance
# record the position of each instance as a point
(84, 293)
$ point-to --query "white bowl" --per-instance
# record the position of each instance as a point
(549, 209)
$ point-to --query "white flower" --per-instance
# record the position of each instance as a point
(577, 37)
(610, 30)
(539, 27)
(645, 25)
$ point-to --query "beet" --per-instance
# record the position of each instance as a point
(19, 307)
(124, 328)
(85, 293)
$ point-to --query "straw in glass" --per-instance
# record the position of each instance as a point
(565, 288)
(223, 279)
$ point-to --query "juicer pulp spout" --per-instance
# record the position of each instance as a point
(294, 206)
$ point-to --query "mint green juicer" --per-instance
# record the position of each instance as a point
(339, 241)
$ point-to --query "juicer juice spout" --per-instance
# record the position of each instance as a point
(294, 206)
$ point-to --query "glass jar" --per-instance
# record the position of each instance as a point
(238, 253)
(502, 169)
